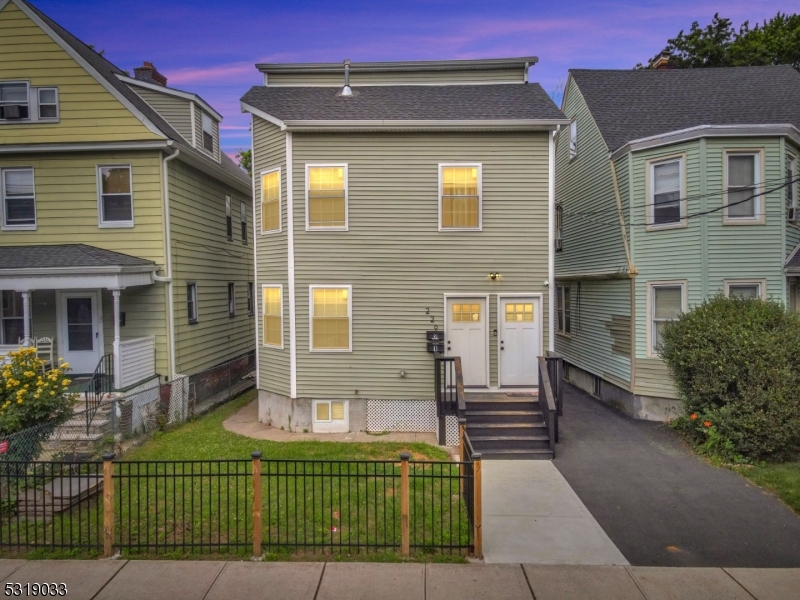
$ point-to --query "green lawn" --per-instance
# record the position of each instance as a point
(205, 438)
(783, 479)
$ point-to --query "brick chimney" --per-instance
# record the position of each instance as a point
(662, 62)
(147, 72)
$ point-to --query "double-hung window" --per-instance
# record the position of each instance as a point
(331, 310)
(13, 320)
(208, 132)
(251, 298)
(191, 302)
(272, 313)
(271, 201)
(460, 189)
(48, 104)
(14, 103)
(573, 140)
(228, 219)
(115, 195)
(666, 205)
(792, 187)
(666, 304)
(563, 311)
(243, 221)
(326, 197)
(19, 203)
(742, 183)
(231, 299)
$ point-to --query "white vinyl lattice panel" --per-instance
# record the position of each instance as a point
(451, 430)
(401, 415)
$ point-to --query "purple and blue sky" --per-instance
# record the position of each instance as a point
(210, 46)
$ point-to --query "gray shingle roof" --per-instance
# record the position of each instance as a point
(406, 102)
(109, 72)
(633, 104)
(65, 255)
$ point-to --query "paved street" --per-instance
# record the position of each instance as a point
(213, 580)
(660, 504)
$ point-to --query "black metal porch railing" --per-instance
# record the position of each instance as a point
(547, 403)
(449, 390)
(101, 383)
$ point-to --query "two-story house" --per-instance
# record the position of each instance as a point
(392, 200)
(671, 186)
(125, 230)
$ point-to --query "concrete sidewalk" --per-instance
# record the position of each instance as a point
(213, 580)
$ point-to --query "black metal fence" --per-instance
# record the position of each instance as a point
(238, 506)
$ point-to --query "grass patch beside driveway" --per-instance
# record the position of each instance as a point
(783, 479)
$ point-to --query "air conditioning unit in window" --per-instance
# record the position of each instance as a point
(558, 244)
(14, 111)
(792, 214)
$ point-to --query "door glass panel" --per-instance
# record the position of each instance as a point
(79, 324)
(519, 313)
(466, 313)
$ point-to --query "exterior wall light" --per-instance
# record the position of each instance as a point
(494, 276)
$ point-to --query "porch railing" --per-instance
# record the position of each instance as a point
(449, 389)
(101, 383)
(547, 403)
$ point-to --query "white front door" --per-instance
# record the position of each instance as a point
(80, 330)
(466, 337)
(519, 341)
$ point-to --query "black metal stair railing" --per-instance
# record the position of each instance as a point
(101, 383)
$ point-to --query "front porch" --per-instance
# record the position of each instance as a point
(66, 300)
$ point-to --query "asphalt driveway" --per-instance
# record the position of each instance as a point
(660, 504)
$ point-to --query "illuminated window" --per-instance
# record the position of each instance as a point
(460, 197)
(271, 201)
(116, 197)
(330, 318)
(273, 317)
(464, 313)
(326, 189)
(519, 312)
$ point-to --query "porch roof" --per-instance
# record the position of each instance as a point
(71, 266)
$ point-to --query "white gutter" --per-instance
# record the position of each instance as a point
(551, 268)
(168, 278)
(84, 147)
(425, 124)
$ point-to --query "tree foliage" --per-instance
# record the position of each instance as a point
(774, 42)
(245, 158)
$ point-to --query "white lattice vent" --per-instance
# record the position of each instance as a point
(451, 430)
(401, 415)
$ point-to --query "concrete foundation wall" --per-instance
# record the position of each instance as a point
(297, 414)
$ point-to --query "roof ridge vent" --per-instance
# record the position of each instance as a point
(346, 91)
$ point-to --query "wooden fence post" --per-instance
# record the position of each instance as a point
(257, 527)
(108, 505)
(478, 507)
(405, 537)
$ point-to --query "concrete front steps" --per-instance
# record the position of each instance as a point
(505, 427)
(74, 437)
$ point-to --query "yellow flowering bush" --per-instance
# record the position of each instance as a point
(29, 396)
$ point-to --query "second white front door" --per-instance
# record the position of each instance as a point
(466, 337)
(80, 335)
(519, 341)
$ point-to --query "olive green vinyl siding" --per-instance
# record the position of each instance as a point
(399, 265)
(600, 329)
(591, 236)
(400, 77)
(201, 253)
(176, 111)
(87, 111)
(198, 127)
(272, 256)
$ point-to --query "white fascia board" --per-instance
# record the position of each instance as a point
(700, 131)
(413, 65)
(393, 84)
(76, 282)
(89, 68)
(59, 271)
(171, 92)
(260, 113)
(428, 125)
(84, 147)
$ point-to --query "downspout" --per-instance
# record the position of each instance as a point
(168, 278)
(551, 268)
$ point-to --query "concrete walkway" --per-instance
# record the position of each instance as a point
(531, 515)
(213, 580)
(245, 422)
(662, 505)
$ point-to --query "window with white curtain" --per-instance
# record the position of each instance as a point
(666, 304)
(19, 202)
(743, 180)
(665, 198)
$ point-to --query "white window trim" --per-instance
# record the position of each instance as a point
(346, 196)
(573, 147)
(280, 201)
(41, 119)
(231, 299)
(311, 289)
(759, 187)
(3, 225)
(479, 166)
(28, 102)
(270, 286)
(651, 190)
(560, 287)
(762, 283)
(651, 299)
(790, 157)
(189, 319)
(113, 224)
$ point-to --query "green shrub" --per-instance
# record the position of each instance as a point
(736, 365)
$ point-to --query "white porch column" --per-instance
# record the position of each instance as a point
(117, 374)
(26, 314)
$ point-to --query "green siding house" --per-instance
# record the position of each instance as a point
(393, 200)
(125, 231)
(671, 186)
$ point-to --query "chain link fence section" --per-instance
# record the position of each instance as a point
(124, 420)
